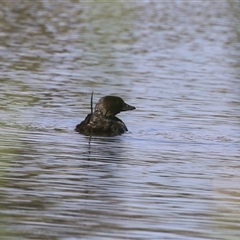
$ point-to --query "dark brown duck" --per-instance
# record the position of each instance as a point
(103, 120)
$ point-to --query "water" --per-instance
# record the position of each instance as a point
(174, 175)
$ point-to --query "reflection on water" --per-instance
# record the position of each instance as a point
(174, 175)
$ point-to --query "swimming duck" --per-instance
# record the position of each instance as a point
(103, 120)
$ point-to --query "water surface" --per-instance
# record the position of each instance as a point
(174, 175)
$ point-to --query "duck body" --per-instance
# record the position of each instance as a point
(103, 120)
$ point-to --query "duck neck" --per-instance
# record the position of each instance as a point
(103, 114)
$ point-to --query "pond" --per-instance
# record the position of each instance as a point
(175, 174)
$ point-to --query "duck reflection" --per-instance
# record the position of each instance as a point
(105, 148)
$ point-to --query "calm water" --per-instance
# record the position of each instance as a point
(174, 175)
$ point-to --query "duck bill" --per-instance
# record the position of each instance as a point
(127, 107)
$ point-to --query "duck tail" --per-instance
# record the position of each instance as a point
(92, 103)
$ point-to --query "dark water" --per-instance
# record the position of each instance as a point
(175, 174)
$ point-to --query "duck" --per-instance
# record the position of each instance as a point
(103, 121)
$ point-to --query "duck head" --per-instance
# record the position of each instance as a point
(110, 106)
